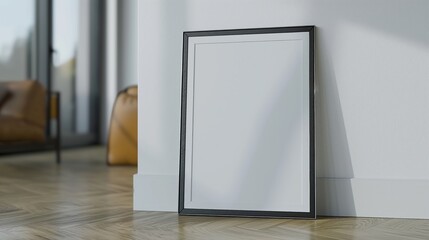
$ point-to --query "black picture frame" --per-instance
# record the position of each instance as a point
(182, 210)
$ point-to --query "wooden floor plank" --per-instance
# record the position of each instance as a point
(84, 199)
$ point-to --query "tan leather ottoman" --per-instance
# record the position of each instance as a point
(122, 140)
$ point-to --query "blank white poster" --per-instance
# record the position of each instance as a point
(247, 123)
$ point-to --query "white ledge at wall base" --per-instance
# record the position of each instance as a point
(335, 197)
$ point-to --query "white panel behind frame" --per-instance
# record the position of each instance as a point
(219, 172)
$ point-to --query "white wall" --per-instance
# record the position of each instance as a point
(372, 106)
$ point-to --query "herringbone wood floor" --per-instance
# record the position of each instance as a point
(84, 199)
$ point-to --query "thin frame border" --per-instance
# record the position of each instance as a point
(246, 213)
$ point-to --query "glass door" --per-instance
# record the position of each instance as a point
(74, 69)
(18, 40)
(57, 43)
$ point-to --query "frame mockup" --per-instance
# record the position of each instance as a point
(247, 124)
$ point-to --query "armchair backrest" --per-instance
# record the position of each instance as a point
(26, 101)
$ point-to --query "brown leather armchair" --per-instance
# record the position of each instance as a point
(24, 118)
(122, 140)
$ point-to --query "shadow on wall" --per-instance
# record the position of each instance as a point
(332, 149)
(335, 195)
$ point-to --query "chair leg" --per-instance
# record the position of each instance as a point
(58, 140)
(58, 150)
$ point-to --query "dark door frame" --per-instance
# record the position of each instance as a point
(45, 52)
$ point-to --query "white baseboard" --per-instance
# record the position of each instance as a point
(156, 192)
(391, 198)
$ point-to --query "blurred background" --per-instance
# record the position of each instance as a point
(84, 49)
